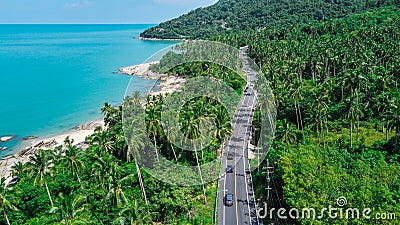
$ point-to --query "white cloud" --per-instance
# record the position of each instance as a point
(81, 4)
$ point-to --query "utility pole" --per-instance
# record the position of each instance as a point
(269, 172)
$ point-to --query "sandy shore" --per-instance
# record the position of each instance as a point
(168, 84)
(78, 134)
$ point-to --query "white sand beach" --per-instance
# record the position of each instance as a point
(78, 134)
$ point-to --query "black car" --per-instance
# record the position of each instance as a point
(229, 199)
(14, 181)
(230, 155)
(229, 169)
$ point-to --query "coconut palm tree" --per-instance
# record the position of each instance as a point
(393, 118)
(115, 185)
(132, 107)
(70, 208)
(133, 214)
(352, 118)
(40, 167)
(102, 143)
(17, 168)
(297, 97)
(134, 145)
(153, 123)
(223, 123)
(288, 133)
(191, 132)
(72, 161)
(4, 202)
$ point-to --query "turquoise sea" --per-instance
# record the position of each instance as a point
(55, 77)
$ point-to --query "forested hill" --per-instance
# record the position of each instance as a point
(227, 16)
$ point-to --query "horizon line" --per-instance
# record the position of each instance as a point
(78, 23)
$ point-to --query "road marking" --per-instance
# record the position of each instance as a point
(236, 163)
(244, 166)
(236, 203)
(223, 204)
(245, 173)
(237, 127)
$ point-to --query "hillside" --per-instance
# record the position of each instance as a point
(229, 16)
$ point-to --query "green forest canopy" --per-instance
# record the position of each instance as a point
(231, 16)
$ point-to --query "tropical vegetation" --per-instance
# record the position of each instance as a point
(334, 69)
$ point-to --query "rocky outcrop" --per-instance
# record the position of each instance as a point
(41, 145)
(29, 138)
(142, 70)
(168, 84)
(89, 126)
(6, 138)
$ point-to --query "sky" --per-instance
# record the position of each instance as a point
(96, 11)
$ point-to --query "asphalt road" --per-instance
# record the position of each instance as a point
(239, 183)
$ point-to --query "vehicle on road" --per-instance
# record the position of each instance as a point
(229, 169)
(13, 181)
(229, 199)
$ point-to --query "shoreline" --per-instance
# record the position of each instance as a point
(29, 147)
(158, 39)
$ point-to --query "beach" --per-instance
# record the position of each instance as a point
(30, 147)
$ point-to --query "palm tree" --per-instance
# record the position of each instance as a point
(132, 106)
(352, 115)
(134, 148)
(17, 168)
(115, 189)
(288, 135)
(133, 214)
(170, 133)
(320, 116)
(393, 118)
(102, 143)
(297, 97)
(153, 123)
(354, 80)
(70, 208)
(106, 109)
(72, 161)
(40, 166)
(112, 115)
(172, 136)
(4, 202)
(111, 179)
(191, 131)
(384, 107)
(99, 167)
(223, 123)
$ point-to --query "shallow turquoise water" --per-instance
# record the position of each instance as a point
(54, 77)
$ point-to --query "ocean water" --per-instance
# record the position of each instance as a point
(55, 77)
